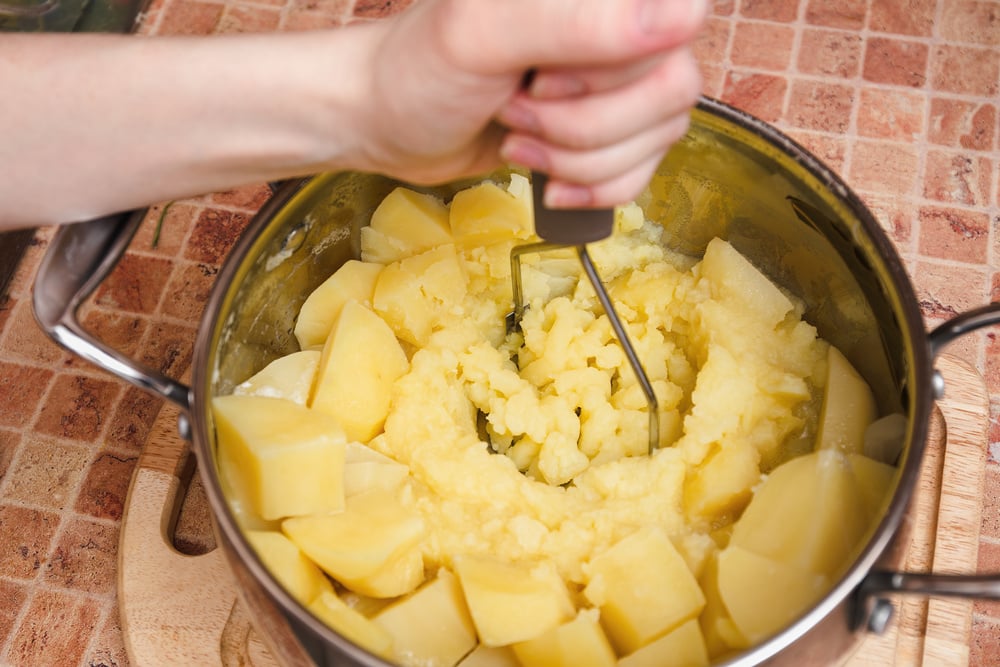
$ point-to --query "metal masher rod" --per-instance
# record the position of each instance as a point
(626, 343)
(514, 322)
(514, 318)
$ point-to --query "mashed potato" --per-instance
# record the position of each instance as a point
(565, 473)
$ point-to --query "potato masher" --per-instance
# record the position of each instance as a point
(560, 228)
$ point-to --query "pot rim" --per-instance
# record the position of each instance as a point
(919, 379)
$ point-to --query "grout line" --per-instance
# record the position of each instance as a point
(107, 609)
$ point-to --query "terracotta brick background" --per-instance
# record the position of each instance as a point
(900, 97)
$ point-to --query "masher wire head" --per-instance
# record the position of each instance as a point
(558, 230)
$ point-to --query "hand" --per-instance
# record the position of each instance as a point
(613, 84)
(430, 95)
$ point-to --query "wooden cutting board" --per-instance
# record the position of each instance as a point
(179, 609)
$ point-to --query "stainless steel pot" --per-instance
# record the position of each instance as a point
(732, 176)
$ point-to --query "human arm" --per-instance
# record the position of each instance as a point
(104, 123)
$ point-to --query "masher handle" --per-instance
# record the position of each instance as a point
(568, 226)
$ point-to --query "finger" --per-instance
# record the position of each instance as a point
(593, 121)
(588, 168)
(574, 82)
(622, 188)
(478, 33)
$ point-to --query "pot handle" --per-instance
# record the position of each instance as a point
(873, 610)
(958, 326)
(79, 258)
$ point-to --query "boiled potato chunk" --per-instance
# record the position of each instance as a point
(246, 517)
(296, 573)
(486, 213)
(412, 295)
(884, 438)
(718, 631)
(491, 656)
(578, 643)
(353, 281)
(874, 480)
(330, 609)
(722, 485)
(290, 377)
(763, 595)
(399, 576)
(357, 543)
(809, 513)
(284, 459)
(432, 626)
(361, 360)
(405, 223)
(367, 470)
(681, 647)
(736, 278)
(511, 602)
(848, 407)
(643, 588)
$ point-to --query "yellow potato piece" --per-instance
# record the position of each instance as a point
(290, 377)
(737, 279)
(330, 609)
(510, 602)
(353, 281)
(405, 223)
(885, 438)
(361, 360)
(577, 643)
(486, 213)
(722, 484)
(373, 530)
(413, 295)
(643, 588)
(280, 457)
(682, 647)
(491, 656)
(367, 470)
(809, 513)
(717, 628)
(400, 575)
(296, 573)
(763, 595)
(431, 627)
(875, 480)
(848, 407)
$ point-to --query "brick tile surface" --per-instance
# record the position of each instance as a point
(960, 123)
(893, 114)
(765, 46)
(55, 630)
(83, 559)
(848, 14)
(830, 52)
(904, 17)
(820, 106)
(895, 61)
(770, 10)
(25, 537)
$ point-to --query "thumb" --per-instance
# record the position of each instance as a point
(491, 37)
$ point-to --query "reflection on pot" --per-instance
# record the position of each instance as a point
(28, 10)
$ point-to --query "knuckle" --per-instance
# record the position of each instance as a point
(679, 79)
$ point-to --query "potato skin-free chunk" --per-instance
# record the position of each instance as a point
(279, 457)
